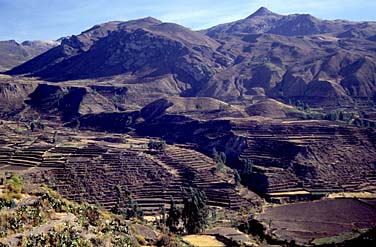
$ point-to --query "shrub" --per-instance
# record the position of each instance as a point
(56, 202)
(140, 239)
(166, 240)
(237, 177)
(220, 159)
(67, 235)
(14, 184)
(157, 144)
(247, 167)
(91, 215)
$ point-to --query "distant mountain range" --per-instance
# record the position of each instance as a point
(13, 54)
(293, 57)
(265, 21)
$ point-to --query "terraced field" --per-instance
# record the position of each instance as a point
(91, 173)
(90, 166)
(311, 156)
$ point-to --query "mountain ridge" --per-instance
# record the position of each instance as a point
(13, 53)
(282, 54)
(264, 20)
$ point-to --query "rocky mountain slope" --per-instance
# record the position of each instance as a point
(293, 57)
(13, 54)
(296, 57)
(265, 21)
(140, 51)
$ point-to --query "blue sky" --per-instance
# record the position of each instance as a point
(52, 19)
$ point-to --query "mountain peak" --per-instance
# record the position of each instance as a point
(262, 12)
(148, 19)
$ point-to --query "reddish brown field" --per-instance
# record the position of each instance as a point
(306, 221)
(371, 202)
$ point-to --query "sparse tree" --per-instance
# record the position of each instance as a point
(247, 166)
(32, 126)
(133, 210)
(120, 205)
(129, 121)
(220, 159)
(223, 158)
(157, 144)
(220, 166)
(162, 210)
(195, 211)
(126, 205)
(54, 138)
(173, 218)
(237, 177)
(215, 154)
(224, 107)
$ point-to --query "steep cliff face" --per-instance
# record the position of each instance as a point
(13, 96)
(68, 102)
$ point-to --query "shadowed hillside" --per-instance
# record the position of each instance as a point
(294, 57)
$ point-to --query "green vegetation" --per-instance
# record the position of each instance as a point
(224, 107)
(237, 177)
(195, 211)
(174, 215)
(199, 106)
(126, 206)
(364, 123)
(339, 239)
(337, 116)
(12, 190)
(62, 235)
(116, 98)
(20, 130)
(194, 214)
(301, 106)
(46, 219)
(246, 167)
(220, 159)
(169, 240)
(157, 144)
(129, 121)
(54, 137)
(14, 184)
(36, 124)
(303, 111)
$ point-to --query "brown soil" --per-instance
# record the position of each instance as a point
(306, 221)
(88, 166)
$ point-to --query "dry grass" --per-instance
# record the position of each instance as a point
(339, 239)
(362, 195)
(289, 193)
(203, 241)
